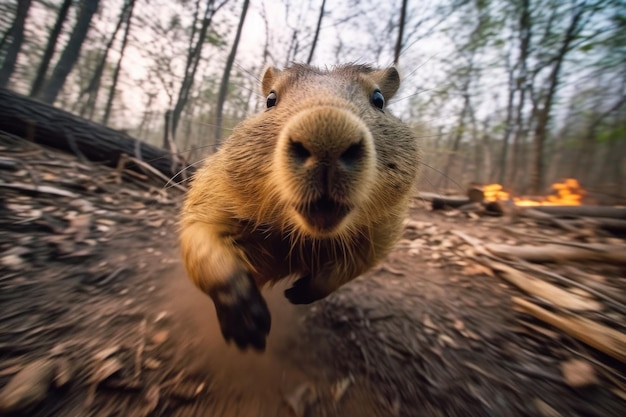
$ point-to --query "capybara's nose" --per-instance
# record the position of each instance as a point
(328, 145)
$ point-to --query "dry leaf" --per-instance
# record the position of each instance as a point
(105, 353)
(477, 269)
(152, 364)
(301, 399)
(427, 322)
(578, 373)
(340, 387)
(64, 372)
(160, 337)
(459, 325)
(108, 368)
(151, 400)
(545, 409)
(28, 387)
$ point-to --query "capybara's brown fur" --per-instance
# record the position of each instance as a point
(315, 188)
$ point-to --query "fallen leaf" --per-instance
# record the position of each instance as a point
(105, 353)
(477, 269)
(28, 387)
(545, 409)
(578, 373)
(160, 337)
(301, 399)
(427, 322)
(107, 369)
(459, 325)
(152, 364)
(150, 400)
(63, 372)
(340, 387)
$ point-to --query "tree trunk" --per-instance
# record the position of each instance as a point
(223, 91)
(525, 30)
(94, 83)
(51, 126)
(35, 89)
(456, 142)
(193, 59)
(543, 114)
(317, 33)
(70, 54)
(503, 158)
(118, 67)
(400, 40)
(17, 37)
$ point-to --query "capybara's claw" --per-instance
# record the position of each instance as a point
(243, 314)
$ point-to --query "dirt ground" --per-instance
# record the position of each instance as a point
(97, 317)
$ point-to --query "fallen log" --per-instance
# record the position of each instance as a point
(614, 254)
(440, 203)
(605, 339)
(544, 290)
(47, 125)
(584, 211)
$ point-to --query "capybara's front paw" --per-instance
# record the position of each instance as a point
(303, 292)
(242, 313)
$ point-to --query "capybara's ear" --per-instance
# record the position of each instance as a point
(269, 79)
(388, 81)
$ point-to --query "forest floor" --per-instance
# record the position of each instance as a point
(97, 317)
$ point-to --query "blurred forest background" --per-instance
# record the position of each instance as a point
(519, 92)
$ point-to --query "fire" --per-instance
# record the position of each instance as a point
(566, 193)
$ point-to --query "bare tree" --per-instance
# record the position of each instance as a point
(42, 70)
(223, 91)
(17, 37)
(118, 67)
(93, 87)
(544, 104)
(193, 59)
(71, 52)
(317, 33)
(400, 39)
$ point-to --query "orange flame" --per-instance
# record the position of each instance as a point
(566, 193)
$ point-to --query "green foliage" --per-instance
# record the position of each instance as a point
(610, 134)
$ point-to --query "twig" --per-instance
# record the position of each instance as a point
(140, 348)
(40, 189)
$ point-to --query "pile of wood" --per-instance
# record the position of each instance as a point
(581, 308)
(569, 218)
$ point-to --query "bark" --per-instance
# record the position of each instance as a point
(17, 37)
(70, 54)
(51, 126)
(42, 70)
(223, 91)
(118, 67)
(317, 33)
(400, 39)
(94, 83)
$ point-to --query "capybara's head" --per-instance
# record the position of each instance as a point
(340, 157)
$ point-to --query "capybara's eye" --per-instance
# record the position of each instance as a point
(378, 100)
(271, 99)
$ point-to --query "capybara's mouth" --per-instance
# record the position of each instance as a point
(324, 214)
